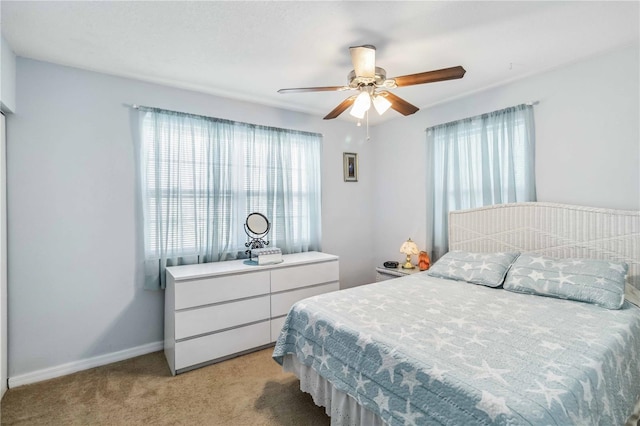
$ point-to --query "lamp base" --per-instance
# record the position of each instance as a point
(408, 265)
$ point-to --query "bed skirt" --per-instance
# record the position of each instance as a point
(341, 407)
(344, 410)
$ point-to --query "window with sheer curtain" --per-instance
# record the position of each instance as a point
(202, 176)
(480, 161)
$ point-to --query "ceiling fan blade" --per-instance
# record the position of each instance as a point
(340, 108)
(399, 104)
(364, 60)
(430, 76)
(314, 89)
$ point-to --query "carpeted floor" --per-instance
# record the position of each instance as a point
(248, 390)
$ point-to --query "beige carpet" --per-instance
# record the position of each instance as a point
(248, 390)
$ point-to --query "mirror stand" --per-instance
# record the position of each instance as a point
(256, 227)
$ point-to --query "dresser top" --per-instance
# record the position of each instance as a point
(201, 270)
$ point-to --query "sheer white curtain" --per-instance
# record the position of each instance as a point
(283, 182)
(201, 177)
(479, 161)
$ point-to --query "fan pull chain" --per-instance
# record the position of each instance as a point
(368, 138)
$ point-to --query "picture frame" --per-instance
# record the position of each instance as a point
(350, 166)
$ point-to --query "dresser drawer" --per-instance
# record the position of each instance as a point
(282, 302)
(276, 327)
(218, 345)
(302, 276)
(220, 289)
(218, 317)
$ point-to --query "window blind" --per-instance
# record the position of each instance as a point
(202, 176)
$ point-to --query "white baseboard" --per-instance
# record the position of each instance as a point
(84, 364)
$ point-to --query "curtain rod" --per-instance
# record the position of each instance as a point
(136, 106)
(530, 103)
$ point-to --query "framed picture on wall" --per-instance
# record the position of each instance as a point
(350, 164)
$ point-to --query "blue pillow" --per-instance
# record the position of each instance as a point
(486, 269)
(599, 282)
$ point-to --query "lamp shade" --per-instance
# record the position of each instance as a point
(361, 105)
(409, 247)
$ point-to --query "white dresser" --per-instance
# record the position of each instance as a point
(217, 310)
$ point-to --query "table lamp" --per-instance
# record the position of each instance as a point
(409, 248)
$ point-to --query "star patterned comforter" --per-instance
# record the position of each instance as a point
(424, 350)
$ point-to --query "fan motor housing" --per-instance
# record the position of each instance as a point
(358, 81)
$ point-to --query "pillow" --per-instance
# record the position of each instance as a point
(586, 280)
(478, 268)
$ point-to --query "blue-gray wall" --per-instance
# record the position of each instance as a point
(75, 283)
(587, 127)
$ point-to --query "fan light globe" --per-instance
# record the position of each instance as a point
(361, 105)
(409, 248)
(381, 104)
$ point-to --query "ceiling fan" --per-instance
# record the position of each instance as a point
(373, 85)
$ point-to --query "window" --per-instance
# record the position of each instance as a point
(202, 176)
(480, 161)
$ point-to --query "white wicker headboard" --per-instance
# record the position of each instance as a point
(554, 230)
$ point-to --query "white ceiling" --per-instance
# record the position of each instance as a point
(249, 50)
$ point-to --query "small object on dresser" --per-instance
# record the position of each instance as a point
(267, 256)
(390, 264)
(423, 261)
(257, 227)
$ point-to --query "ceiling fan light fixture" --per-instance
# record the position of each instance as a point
(361, 105)
(381, 104)
(367, 78)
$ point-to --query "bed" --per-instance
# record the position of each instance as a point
(428, 350)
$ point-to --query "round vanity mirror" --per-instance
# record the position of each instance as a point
(257, 223)
(257, 227)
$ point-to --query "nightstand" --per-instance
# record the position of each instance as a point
(383, 274)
